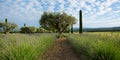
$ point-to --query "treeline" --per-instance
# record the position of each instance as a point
(8, 27)
(32, 29)
(110, 29)
(58, 22)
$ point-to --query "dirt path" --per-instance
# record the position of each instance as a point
(61, 50)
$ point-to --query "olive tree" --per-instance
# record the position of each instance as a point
(56, 21)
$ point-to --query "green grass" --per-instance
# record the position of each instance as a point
(92, 46)
(97, 46)
(24, 46)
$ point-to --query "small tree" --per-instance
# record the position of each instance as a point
(56, 21)
(7, 27)
(1, 24)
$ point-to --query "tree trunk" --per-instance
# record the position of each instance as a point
(71, 28)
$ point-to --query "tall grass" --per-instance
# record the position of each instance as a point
(23, 46)
(97, 46)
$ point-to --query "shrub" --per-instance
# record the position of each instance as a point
(28, 29)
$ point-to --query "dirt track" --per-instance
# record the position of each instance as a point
(61, 50)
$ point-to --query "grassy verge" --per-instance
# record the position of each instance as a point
(97, 46)
(24, 46)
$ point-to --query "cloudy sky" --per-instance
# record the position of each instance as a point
(96, 13)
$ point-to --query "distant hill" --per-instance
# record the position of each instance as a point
(98, 29)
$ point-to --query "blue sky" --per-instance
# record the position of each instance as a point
(96, 13)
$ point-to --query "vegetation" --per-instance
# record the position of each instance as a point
(1, 24)
(7, 27)
(97, 46)
(111, 29)
(30, 29)
(80, 21)
(57, 22)
(24, 47)
(72, 28)
(41, 30)
(90, 46)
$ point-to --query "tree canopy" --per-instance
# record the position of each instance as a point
(56, 21)
(30, 29)
(1, 24)
(7, 26)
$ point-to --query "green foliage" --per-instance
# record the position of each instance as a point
(58, 22)
(24, 30)
(61, 36)
(97, 46)
(80, 22)
(31, 29)
(24, 25)
(1, 24)
(67, 30)
(7, 27)
(10, 26)
(41, 30)
(24, 47)
(6, 20)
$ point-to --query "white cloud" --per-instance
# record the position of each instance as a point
(31, 10)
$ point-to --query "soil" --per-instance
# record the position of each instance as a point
(61, 50)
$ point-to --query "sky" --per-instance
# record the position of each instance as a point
(96, 13)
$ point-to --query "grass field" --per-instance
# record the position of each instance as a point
(24, 46)
(89, 46)
(97, 46)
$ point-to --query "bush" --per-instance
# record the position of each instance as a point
(41, 30)
(28, 30)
